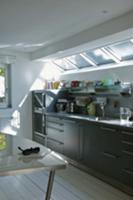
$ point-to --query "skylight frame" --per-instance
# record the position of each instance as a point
(107, 50)
(65, 61)
(127, 57)
(82, 60)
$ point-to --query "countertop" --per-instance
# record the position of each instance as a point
(104, 120)
(14, 162)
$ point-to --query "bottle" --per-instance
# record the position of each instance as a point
(72, 107)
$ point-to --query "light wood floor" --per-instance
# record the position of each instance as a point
(70, 184)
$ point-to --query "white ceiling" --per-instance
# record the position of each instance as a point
(27, 25)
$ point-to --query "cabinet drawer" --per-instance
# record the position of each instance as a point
(109, 140)
(55, 134)
(127, 147)
(127, 161)
(55, 145)
(58, 126)
(127, 177)
(127, 136)
(108, 129)
(109, 164)
(54, 119)
(39, 139)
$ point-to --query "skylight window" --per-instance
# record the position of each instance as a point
(79, 61)
(123, 49)
(99, 57)
(65, 64)
(111, 54)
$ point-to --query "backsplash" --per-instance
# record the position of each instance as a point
(113, 95)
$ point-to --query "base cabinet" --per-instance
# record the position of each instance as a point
(55, 145)
(55, 134)
(109, 151)
(90, 145)
(104, 148)
(127, 157)
(72, 139)
(39, 138)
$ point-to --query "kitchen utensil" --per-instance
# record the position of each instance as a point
(75, 83)
(125, 114)
(91, 109)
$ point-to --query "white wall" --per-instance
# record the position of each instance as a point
(23, 74)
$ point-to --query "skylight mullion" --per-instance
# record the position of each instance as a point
(76, 67)
(111, 54)
(72, 63)
(88, 59)
(58, 66)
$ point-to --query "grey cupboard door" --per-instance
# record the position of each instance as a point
(110, 151)
(127, 157)
(71, 139)
(91, 145)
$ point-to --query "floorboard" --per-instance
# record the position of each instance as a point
(69, 184)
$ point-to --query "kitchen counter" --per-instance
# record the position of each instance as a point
(106, 120)
(13, 162)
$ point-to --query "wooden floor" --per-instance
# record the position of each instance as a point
(70, 184)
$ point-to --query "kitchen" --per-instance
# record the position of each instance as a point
(27, 67)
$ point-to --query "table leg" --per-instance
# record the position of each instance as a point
(50, 184)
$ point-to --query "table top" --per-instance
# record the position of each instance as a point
(13, 162)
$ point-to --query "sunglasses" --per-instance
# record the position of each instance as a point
(29, 151)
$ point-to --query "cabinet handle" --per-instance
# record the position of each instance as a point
(128, 171)
(129, 143)
(127, 133)
(70, 121)
(60, 124)
(110, 155)
(55, 128)
(128, 152)
(108, 129)
(39, 134)
(55, 140)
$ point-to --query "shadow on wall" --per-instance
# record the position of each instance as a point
(20, 123)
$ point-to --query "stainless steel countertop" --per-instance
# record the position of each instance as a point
(106, 120)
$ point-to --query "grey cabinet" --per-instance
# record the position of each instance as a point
(109, 151)
(64, 136)
(42, 102)
(102, 149)
(38, 116)
(91, 145)
(72, 139)
(55, 145)
(127, 157)
(55, 133)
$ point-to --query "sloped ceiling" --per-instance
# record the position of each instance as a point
(28, 25)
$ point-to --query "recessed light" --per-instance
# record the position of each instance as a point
(4, 46)
(105, 11)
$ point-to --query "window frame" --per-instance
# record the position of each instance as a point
(6, 103)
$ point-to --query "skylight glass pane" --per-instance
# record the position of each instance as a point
(124, 50)
(79, 61)
(64, 64)
(99, 57)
